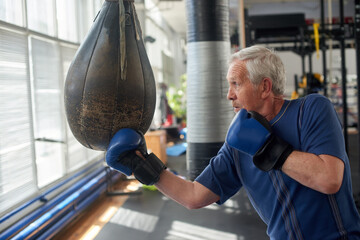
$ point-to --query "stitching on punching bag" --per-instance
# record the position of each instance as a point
(82, 130)
(122, 42)
(119, 72)
(137, 37)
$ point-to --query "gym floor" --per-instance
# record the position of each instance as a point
(152, 216)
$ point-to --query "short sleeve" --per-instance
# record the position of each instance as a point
(220, 175)
(320, 128)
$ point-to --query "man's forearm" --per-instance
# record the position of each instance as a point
(192, 195)
(322, 173)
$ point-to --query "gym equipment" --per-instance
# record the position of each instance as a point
(208, 110)
(110, 83)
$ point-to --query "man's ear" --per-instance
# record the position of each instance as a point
(266, 87)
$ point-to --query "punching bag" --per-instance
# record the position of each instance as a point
(209, 112)
(110, 84)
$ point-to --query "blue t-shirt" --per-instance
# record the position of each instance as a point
(290, 209)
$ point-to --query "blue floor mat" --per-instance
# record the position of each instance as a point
(176, 150)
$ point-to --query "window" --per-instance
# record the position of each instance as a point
(17, 179)
(11, 11)
(66, 17)
(36, 145)
(48, 120)
(41, 16)
(86, 19)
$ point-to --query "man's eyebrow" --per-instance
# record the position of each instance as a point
(233, 78)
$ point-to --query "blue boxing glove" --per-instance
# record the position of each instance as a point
(121, 156)
(251, 133)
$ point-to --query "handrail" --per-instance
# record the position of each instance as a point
(37, 227)
(64, 220)
(48, 206)
(42, 196)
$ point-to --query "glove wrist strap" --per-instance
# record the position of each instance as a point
(273, 154)
(148, 171)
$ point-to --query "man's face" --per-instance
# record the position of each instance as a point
(242, 93)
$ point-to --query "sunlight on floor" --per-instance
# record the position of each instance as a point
(106, 216)
(186, 231)
(91, 233)
(213, 206)
(135, 220)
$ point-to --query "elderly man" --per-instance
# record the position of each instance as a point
(288, 155)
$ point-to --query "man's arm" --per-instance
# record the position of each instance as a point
(127, 153)
(323, 173)
(192, 195)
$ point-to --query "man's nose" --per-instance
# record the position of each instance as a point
(230, 94)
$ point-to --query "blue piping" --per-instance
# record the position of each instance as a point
(76, 208)
(42, 196)
(49, 205)
(69, 216)
(61, 207)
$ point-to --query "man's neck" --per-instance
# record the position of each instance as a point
(273, 107)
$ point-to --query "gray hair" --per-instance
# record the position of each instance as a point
(262, 62)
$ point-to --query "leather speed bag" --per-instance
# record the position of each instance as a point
(102, 94)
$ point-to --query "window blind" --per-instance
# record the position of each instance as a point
(41, 17)
(17, 179)
(48, 124)
(11, 11)
(66, 17)
(36, 146)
